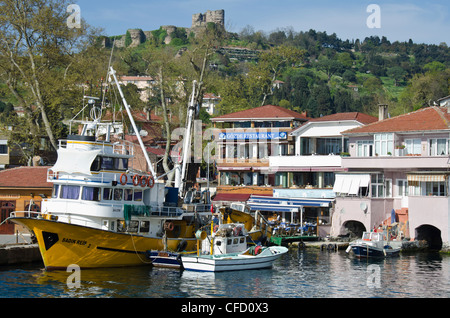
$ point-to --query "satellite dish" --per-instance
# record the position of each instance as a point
(363, 206)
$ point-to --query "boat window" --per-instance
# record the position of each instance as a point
(241, 240)
(137, 195)
(133, 226)
(107, 194)
(96, 164)
(55, 191)
(107, 163)
(70, 192)
(144, 227)
(229, 242)
(118, 194)
(128, 194)
(121, 164)
(235, 241)
(91, 194)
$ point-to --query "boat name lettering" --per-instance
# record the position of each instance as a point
(73, 241)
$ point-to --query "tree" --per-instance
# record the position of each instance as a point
(37, 48)
(263, 75)
(330, 67)
(397, 73)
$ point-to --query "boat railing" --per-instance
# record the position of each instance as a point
(119, 147)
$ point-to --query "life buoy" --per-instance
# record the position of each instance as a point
(151, 182)
(136, 180)
(216, 227)
(123, 179)
(169, 226)
(143, 181)
(258, 249)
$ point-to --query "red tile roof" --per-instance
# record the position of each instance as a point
(25, 177)
(360, 117)
(263, 112)
(424, 119)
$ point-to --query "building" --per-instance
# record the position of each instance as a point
(245, 142)
(22, 189)
(143, 83)
(210, 102)
(397, 170)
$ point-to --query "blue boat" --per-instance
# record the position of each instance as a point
(373, 244)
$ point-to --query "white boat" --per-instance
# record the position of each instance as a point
(226, 250)
(374, 244)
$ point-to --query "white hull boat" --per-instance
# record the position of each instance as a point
(234, 261)
(375, 245)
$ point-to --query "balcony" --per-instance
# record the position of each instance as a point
(306, 163)
(393, 162)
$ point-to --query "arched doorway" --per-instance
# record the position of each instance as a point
(431, 234)
(353, 228)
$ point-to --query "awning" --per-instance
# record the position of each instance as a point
(75, 161)
(349, 183)
(427, 177)
(264, 203)
(231, 197)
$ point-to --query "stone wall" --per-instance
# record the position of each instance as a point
(199, 21)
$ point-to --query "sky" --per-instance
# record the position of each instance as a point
(423, 21)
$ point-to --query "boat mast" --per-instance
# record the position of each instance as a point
(187, 139)
(127, 107)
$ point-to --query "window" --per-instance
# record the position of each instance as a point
(121, 164)
(384, 144)
(434, 188)
(70, 192)
(137, 195)
(55, 191)
(402, 188)
(107, 194)
(365, 148)
(3, 149)
(377, 183)
(90, 194)
(128, 194)
(413, 146)
(118, 193)
(437, 147)
(107, 163)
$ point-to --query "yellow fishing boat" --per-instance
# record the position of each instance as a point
(102, 212)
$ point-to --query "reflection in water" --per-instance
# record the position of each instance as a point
(306, 273)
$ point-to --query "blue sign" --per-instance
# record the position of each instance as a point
(253, 135)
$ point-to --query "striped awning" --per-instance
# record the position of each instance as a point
(427, 177)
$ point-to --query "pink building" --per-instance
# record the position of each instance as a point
(401, 164)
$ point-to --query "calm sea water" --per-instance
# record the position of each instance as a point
(309, 273)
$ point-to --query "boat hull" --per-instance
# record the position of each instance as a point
(63, 244)
(232, 262)
(365, 251)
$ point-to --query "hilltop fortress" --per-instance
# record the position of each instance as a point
(199, 22)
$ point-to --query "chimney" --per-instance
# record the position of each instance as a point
(382, 111)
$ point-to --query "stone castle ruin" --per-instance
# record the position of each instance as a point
(199, 22)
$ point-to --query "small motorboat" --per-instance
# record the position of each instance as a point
(373, 244)
(226, 250)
